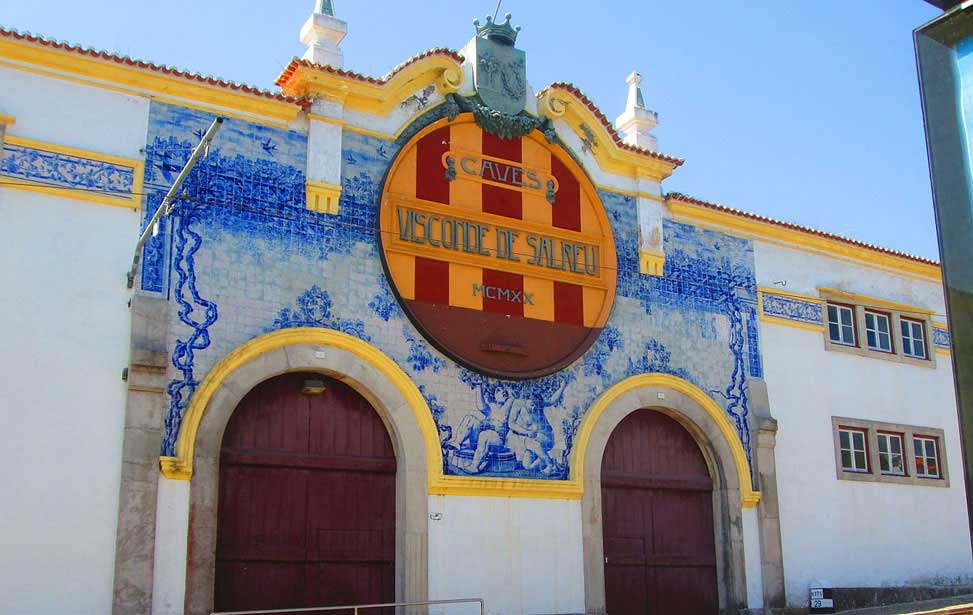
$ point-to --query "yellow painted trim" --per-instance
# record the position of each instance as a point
(651, 262)
(940, 349)
(323, 197)
(561, 104)
(797, 324)
(632, 193)
(786, 293)
(9, 120)
(99, 72)
(174, 469)
(872, 301)
(376, 98)
(800, 240)
(132, 201)
(180, 467)
(163, 99)
(748, 496)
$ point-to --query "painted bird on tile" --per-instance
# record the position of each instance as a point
(199, 133)
(269, 147)
(420, 99)
(350, 158)
(588, 142)
(382, 152)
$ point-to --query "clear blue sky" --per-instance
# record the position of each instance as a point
(807, 112)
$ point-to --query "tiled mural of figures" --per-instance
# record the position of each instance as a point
(247, 258)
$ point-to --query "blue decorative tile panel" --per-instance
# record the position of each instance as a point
(793, 308)
(64, 170)
(246, 243)
(941, 338)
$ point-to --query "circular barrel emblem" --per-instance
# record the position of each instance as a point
(499, 250)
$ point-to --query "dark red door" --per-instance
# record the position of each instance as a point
(660, 552)
(307, 500)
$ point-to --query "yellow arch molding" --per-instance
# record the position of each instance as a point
(748, 496)
(374, 97)
(562, 104)
(180, 467)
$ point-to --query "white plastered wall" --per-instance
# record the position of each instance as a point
(66, 324)
(519, 555)
(844, 533)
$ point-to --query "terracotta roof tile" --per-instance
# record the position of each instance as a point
(606, 123)
(298, 62)
(797, 227)
(142, 64)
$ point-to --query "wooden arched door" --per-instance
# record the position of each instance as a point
(657, 510)
(307, 499)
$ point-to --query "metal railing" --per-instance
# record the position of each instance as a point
(355, 608)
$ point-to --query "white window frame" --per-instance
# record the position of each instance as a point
(888, 455)
(839, 308)
(926, 440)
(876, 331)
(909, 434)
(841, 302)
(853, 452)
(915, 342)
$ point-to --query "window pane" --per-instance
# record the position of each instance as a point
(884, 342)
(897, 465)
(846, 317)
(883, 462)
(932, 468)
(871, 339)
(920, 465)
(917, 447)
(859, 439)
(835, 332)
(860, 461)
(848, 335)
(832, 314)
(905, 328)
(906, 345)
(843, 439)
(930, 448)
(883, 443)
(883, 324)
(896, 444)
(846, 460)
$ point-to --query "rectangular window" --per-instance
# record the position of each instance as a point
(913, 339)
(890, 456)
(841, 324)
(927, 457)
(854, 455)
(877, 331)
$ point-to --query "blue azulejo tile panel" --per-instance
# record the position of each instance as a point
(243, 257)
(793, 308)
(941, 338)
(67, 171)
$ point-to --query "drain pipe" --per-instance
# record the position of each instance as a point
(169, 201)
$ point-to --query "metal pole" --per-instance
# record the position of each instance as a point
(168, 202)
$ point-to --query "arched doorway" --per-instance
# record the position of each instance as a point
(306, 499)
(658, 532)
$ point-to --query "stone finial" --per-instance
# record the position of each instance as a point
(325, 7)
(636, 122)
(322, 33)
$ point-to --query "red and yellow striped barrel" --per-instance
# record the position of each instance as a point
(493, 272)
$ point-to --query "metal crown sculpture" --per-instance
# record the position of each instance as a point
(502, 33)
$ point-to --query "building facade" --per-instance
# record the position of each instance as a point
(436, 335)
